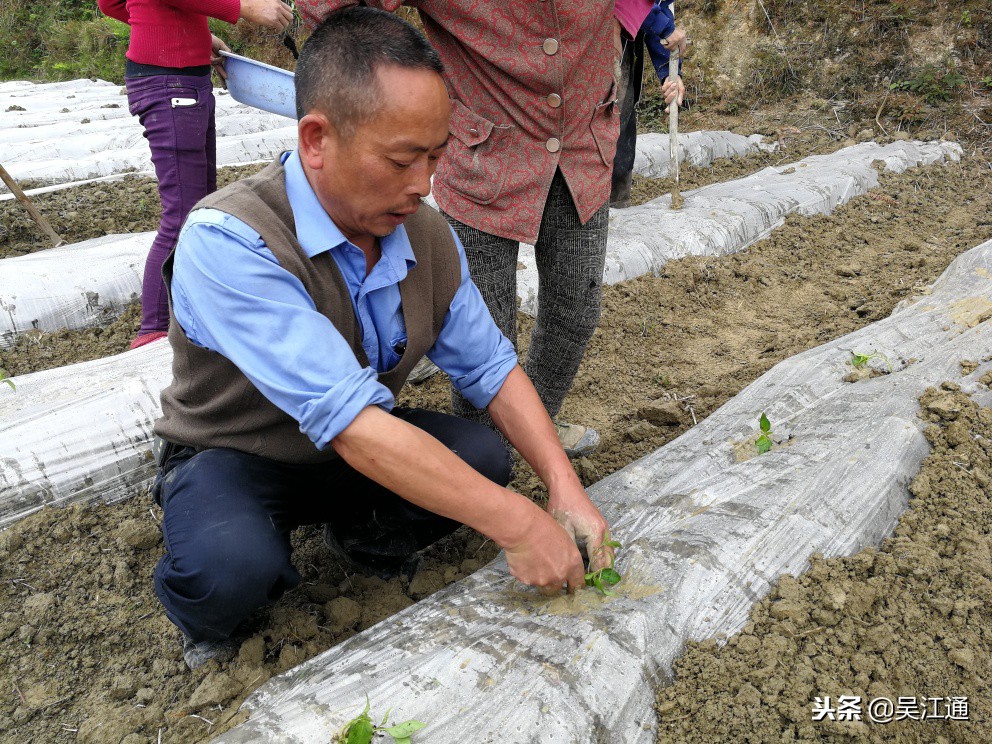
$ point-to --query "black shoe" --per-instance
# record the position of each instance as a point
(406, 566)
(197, 654)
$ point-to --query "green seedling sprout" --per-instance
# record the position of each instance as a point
(858, 361)
(764, 442)
(608, 576)
(5, 378)
(361, 729)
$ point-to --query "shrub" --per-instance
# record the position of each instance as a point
(933, 83)
(85, 48)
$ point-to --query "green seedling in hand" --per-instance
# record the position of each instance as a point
(5, 378)
(609, 576)
(361, 729)
(860, 360)
(764, 442)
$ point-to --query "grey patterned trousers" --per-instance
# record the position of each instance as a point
(570, 262)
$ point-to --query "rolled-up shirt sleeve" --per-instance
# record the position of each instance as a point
(230, 295)
(470, 348)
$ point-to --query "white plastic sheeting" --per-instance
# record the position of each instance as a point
(738, 214)
(728, 217)
(49, 143)
(81, 432)
(653, 160)
(704, 536)
(73, 286)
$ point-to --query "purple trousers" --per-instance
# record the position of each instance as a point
(177, 112)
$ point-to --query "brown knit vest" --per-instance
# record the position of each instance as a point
(211, 403)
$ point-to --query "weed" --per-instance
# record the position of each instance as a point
(987, 81)
(932, 83)
(860, 360)
(773, 74)
(4, 377)
(361, 729)
(662, 379)
(764, 441)
(608, 576)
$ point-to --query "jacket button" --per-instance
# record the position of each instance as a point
(554, 100)
(550, 46)
(553, 144)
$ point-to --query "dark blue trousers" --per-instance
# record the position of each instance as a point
(632, 72)
(228, 517)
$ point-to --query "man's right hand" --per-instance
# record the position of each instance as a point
(546, 556)
(274, 14)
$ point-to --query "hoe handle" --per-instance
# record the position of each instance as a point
(37, 216)
(673, 124)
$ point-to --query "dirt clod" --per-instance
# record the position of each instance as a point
(216, 688)
(662, 412)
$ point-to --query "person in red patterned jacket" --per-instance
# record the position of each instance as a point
(534, 129)
(167, 75)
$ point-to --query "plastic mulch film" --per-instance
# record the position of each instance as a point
(727, 217)
(81, 432)
(83, 130)
(63, 466)
(653, 160)
(41, 292)
(705, 532)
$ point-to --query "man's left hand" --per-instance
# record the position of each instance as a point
(580, 518)
(216, 47)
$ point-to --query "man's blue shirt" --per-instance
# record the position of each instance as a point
(230, 295)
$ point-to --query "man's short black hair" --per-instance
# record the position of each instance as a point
(336, 72)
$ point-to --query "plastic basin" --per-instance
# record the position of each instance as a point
(260, 85)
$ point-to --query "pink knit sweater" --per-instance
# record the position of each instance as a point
(170, 33)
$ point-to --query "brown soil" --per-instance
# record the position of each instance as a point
(130, 204)
(34, 351)
(86, 652)
(909, 619)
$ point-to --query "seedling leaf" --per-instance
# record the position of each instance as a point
(860, 360)
(605, 576)
(404, 730)
(360, 731)
(609, 576)
(5, 378)
(765, 424)
(764, 444)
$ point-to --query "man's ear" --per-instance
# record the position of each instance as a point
(314, 129)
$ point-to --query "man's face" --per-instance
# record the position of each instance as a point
(371, 183)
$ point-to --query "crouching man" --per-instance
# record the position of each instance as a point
(302, 297)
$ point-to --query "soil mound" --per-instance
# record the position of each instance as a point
(909, 622)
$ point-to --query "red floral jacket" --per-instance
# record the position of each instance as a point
(533, 89)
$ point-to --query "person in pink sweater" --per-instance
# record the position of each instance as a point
(167, 75)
